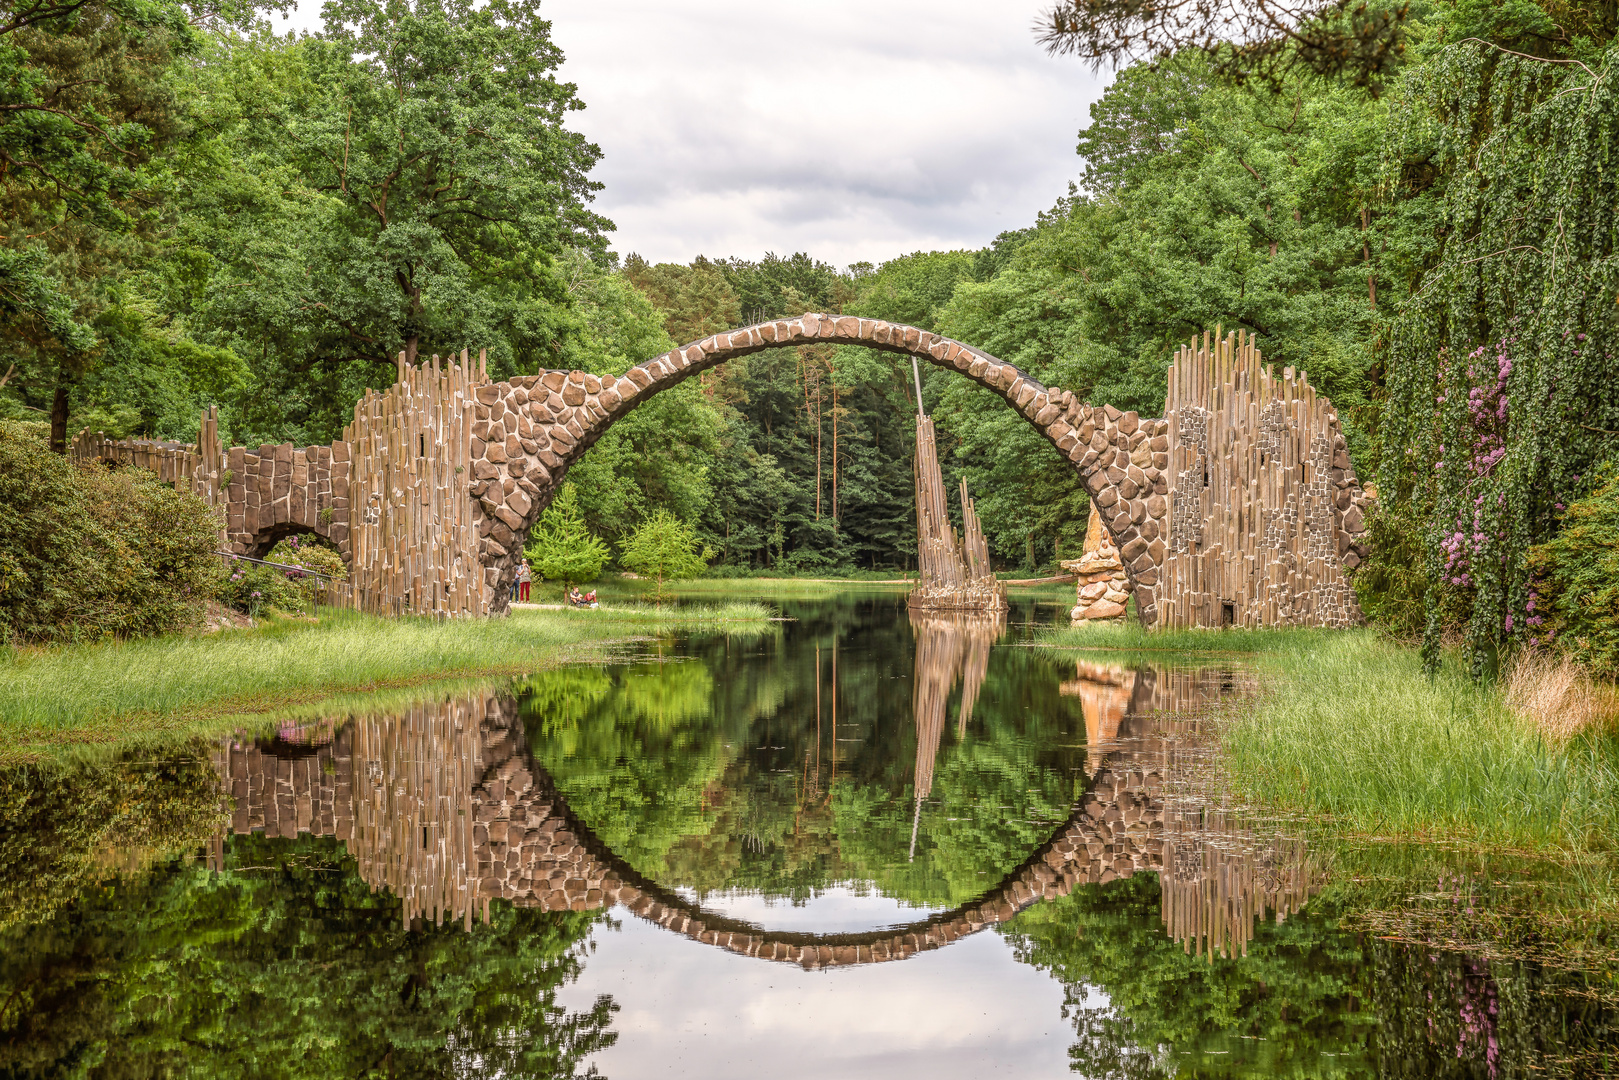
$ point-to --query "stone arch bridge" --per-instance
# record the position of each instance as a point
(445, 808)
(1242, 501)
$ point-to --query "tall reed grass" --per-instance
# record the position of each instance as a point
(1554, 695)
(110, 692)
(1350, 729)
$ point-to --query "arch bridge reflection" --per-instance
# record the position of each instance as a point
(444, 806)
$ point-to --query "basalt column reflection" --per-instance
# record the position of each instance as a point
(444, 807)
(440, 805)
(949, 647)
(1219, 874)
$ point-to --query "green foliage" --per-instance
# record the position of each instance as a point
(695, 300)
(783, 287)
(92, 553)
(1500, 366)
(156, 975)
(1393, 586)
(1575, 578)
(665, 547)
(661, 454)
(252, 587)
(63, 825)
(1294, 1006)
(403, 182)
(560, 546)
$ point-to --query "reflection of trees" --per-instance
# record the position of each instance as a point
(632, 751)
(1294, 1006)
(1445, 1014)
(287, 964)
(63, 827)
(791, 777)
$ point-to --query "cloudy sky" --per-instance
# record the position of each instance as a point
(851, 129)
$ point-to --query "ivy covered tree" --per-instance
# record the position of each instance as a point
(1501, 398)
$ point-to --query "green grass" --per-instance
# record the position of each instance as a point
(717, 588)
(1130, 638)
(1348, 730)
(129, 690)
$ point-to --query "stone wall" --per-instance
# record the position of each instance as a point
(276, 491)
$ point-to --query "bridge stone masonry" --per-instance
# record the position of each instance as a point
(444, 807)
(1240, 507)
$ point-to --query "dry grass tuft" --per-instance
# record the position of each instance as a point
(1557, 699)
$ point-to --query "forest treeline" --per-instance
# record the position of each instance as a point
(199, 212)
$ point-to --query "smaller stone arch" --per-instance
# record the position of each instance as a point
(277, 491)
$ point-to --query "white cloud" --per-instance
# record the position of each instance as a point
(687, 1009)
(851, 129)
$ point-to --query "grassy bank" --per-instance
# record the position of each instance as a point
(127, 690)
(1348, 730)
(792, 588)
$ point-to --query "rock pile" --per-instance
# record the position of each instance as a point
(1103, 586)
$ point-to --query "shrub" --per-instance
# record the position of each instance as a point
(1393, 585)
(252, 587)
(96, 552)
(1575, 598)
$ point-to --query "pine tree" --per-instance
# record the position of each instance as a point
(561, 547)
(667, 547)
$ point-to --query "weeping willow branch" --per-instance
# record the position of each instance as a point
(1263, 41)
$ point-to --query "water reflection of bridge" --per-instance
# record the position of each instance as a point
(445, 807)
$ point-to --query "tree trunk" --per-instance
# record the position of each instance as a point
(834, 451)
(59, 420)
(1366, 256)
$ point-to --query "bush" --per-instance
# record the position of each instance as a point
(1393, 584)
(92, 553)
(1575, 598)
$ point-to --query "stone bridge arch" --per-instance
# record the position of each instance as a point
(1239, 508)
(528, 432)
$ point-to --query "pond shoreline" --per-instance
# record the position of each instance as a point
(99, 696)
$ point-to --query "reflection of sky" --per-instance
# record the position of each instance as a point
(691, 1010)
(835, 910)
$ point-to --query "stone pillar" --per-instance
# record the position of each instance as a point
(1103, 586)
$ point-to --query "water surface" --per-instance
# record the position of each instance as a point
(859, 844)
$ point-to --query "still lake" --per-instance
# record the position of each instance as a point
(858, 843)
